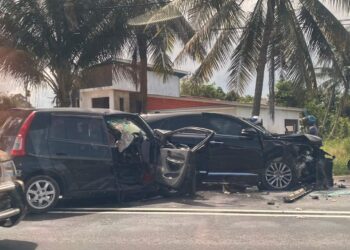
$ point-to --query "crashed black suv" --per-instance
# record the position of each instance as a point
(12, 204)
(75, 152)
(242, 153)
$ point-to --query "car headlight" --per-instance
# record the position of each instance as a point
(7, 170)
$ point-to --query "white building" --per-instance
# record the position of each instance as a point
(106, 91)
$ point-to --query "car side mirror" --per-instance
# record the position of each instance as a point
(249, 132)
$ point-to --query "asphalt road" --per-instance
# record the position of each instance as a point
(213, 220)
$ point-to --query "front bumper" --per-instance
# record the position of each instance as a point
(12, 203)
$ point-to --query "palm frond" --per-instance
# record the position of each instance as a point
(217, 57)
(20, 64)
(230, 15)
(299, 65)
(331, 27)
(319, 44)
(183, 31)
(244, 57)
(160, 47)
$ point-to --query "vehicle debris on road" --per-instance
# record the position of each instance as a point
(297, 194)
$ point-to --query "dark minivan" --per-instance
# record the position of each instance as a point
(75, 152)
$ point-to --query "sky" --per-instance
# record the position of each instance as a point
(43, 97)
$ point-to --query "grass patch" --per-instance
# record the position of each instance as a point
(340, 148)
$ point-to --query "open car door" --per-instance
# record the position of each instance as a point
(176, 164)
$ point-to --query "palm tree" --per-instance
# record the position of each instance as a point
(333, 85)
(59, 41)
(283, 34)
(154, 32)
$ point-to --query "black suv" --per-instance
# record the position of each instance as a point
(75, 152)
(245, 154)
(12, 203)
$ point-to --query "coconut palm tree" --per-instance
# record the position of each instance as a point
(155, 30)
(59, 42)
(288, 36)
(64, 38)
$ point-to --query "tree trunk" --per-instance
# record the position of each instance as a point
(260, 70)
(340, 110)
(64, 82)
(142, 44)
(272, 84)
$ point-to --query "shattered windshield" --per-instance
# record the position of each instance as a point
(258, 127)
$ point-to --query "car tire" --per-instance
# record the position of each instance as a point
(278, 175)
(42, 193)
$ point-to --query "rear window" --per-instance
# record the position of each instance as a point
(10, 123)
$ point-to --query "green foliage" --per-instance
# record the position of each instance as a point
(288, 96)
(246, 99)
(232, 96)
(62, 40)
(206, 90)
(322, 104)
(340, 148)
(280, 35)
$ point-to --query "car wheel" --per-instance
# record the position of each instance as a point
(41, 193)
(278, 175)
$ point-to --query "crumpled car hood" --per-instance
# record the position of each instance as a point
(302, 138)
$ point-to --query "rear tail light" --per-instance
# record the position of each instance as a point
(20, 141)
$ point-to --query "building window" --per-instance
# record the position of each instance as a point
(121, 104)
(291, 126)
(102, 102)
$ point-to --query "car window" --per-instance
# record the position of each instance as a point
(122, 129)
(224, 126)
(183, 121)
(82, 129)
(36, 141)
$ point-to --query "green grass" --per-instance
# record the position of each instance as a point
(340, 148)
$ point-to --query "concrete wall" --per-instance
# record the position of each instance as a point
(277, 126)
(125, 96)
(156, 86)
(87, 95)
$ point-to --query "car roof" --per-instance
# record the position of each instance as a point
(80, 111)
(161, 116)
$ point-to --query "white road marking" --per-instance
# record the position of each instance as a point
(206, 210)
(295, 215)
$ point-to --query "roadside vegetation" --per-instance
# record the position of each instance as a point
(340, 148)
(13, 101)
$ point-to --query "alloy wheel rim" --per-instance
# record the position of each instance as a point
(41, 194)
(278, 175)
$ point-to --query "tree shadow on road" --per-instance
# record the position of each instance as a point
(17, 245)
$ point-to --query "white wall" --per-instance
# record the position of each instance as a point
(156, 85)
(86, 95)
(277, 126)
